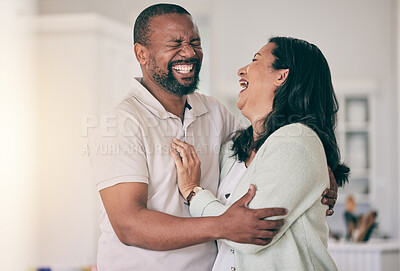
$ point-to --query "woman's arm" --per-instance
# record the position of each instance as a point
(188, 171)
(289, 172)
(284, 174)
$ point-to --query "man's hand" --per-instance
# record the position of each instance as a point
(330, 195)
(243, 225)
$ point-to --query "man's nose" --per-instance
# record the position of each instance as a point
(187, 50)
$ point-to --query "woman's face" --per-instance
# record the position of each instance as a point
(259, 81)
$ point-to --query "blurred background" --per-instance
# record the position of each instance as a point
(62, 62)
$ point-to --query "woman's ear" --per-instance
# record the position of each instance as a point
(282, 76)
(141, 53)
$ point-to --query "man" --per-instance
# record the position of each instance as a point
(145, 222)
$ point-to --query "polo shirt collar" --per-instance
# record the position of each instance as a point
(195, 106)
(198, 107)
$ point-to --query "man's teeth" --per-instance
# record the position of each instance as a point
(183, 68)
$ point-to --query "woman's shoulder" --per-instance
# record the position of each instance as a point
(294, 144)
(296, 130)
(296, 134)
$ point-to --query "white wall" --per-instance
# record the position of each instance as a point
(84, 64)
(18, 185)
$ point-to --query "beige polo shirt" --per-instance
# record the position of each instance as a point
(131, 144)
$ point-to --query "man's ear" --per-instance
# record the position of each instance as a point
(141, 53)
(282, 76)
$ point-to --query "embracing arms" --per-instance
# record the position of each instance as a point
(188, 170)
(286, 182)
(134, 224)
(122, 179)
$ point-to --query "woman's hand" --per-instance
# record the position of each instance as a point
(187, 165)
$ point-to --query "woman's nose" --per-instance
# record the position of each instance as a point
(242, 71)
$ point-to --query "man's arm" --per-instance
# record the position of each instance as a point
(135, 225)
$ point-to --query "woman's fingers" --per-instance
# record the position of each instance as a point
(188, 166)
(187, 147)
(179, 142)
(176, 158)
(185, 150)
(183, 153)
(179, 149)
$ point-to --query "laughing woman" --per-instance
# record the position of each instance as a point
(289, 99)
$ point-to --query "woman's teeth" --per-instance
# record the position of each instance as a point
(183, 68)
(244, 84)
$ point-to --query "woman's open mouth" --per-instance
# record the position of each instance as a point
(244, 84)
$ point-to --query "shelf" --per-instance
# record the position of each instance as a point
(354, 131)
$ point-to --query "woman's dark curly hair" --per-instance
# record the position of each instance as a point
(307, 97)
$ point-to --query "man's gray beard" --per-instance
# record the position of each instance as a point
(168, 81)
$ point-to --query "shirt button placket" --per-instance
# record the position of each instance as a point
(232, 251)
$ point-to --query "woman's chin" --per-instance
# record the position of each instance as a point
(243, 111)
(239, 105)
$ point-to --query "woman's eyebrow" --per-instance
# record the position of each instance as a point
(257, 54)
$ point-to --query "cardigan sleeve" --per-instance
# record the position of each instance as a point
(290, 171)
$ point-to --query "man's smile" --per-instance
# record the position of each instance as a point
(183, 69)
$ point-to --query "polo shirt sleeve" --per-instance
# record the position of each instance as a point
(116, 151)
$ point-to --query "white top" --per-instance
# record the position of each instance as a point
(225, 258)
(131, 144)
(290, 171)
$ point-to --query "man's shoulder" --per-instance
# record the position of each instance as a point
(128, 106)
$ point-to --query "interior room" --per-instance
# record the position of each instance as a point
(64, 62)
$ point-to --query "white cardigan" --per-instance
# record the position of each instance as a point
(290, 171)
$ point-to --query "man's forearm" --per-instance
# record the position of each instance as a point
(159, 231)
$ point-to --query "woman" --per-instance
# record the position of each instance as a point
(288, 97)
